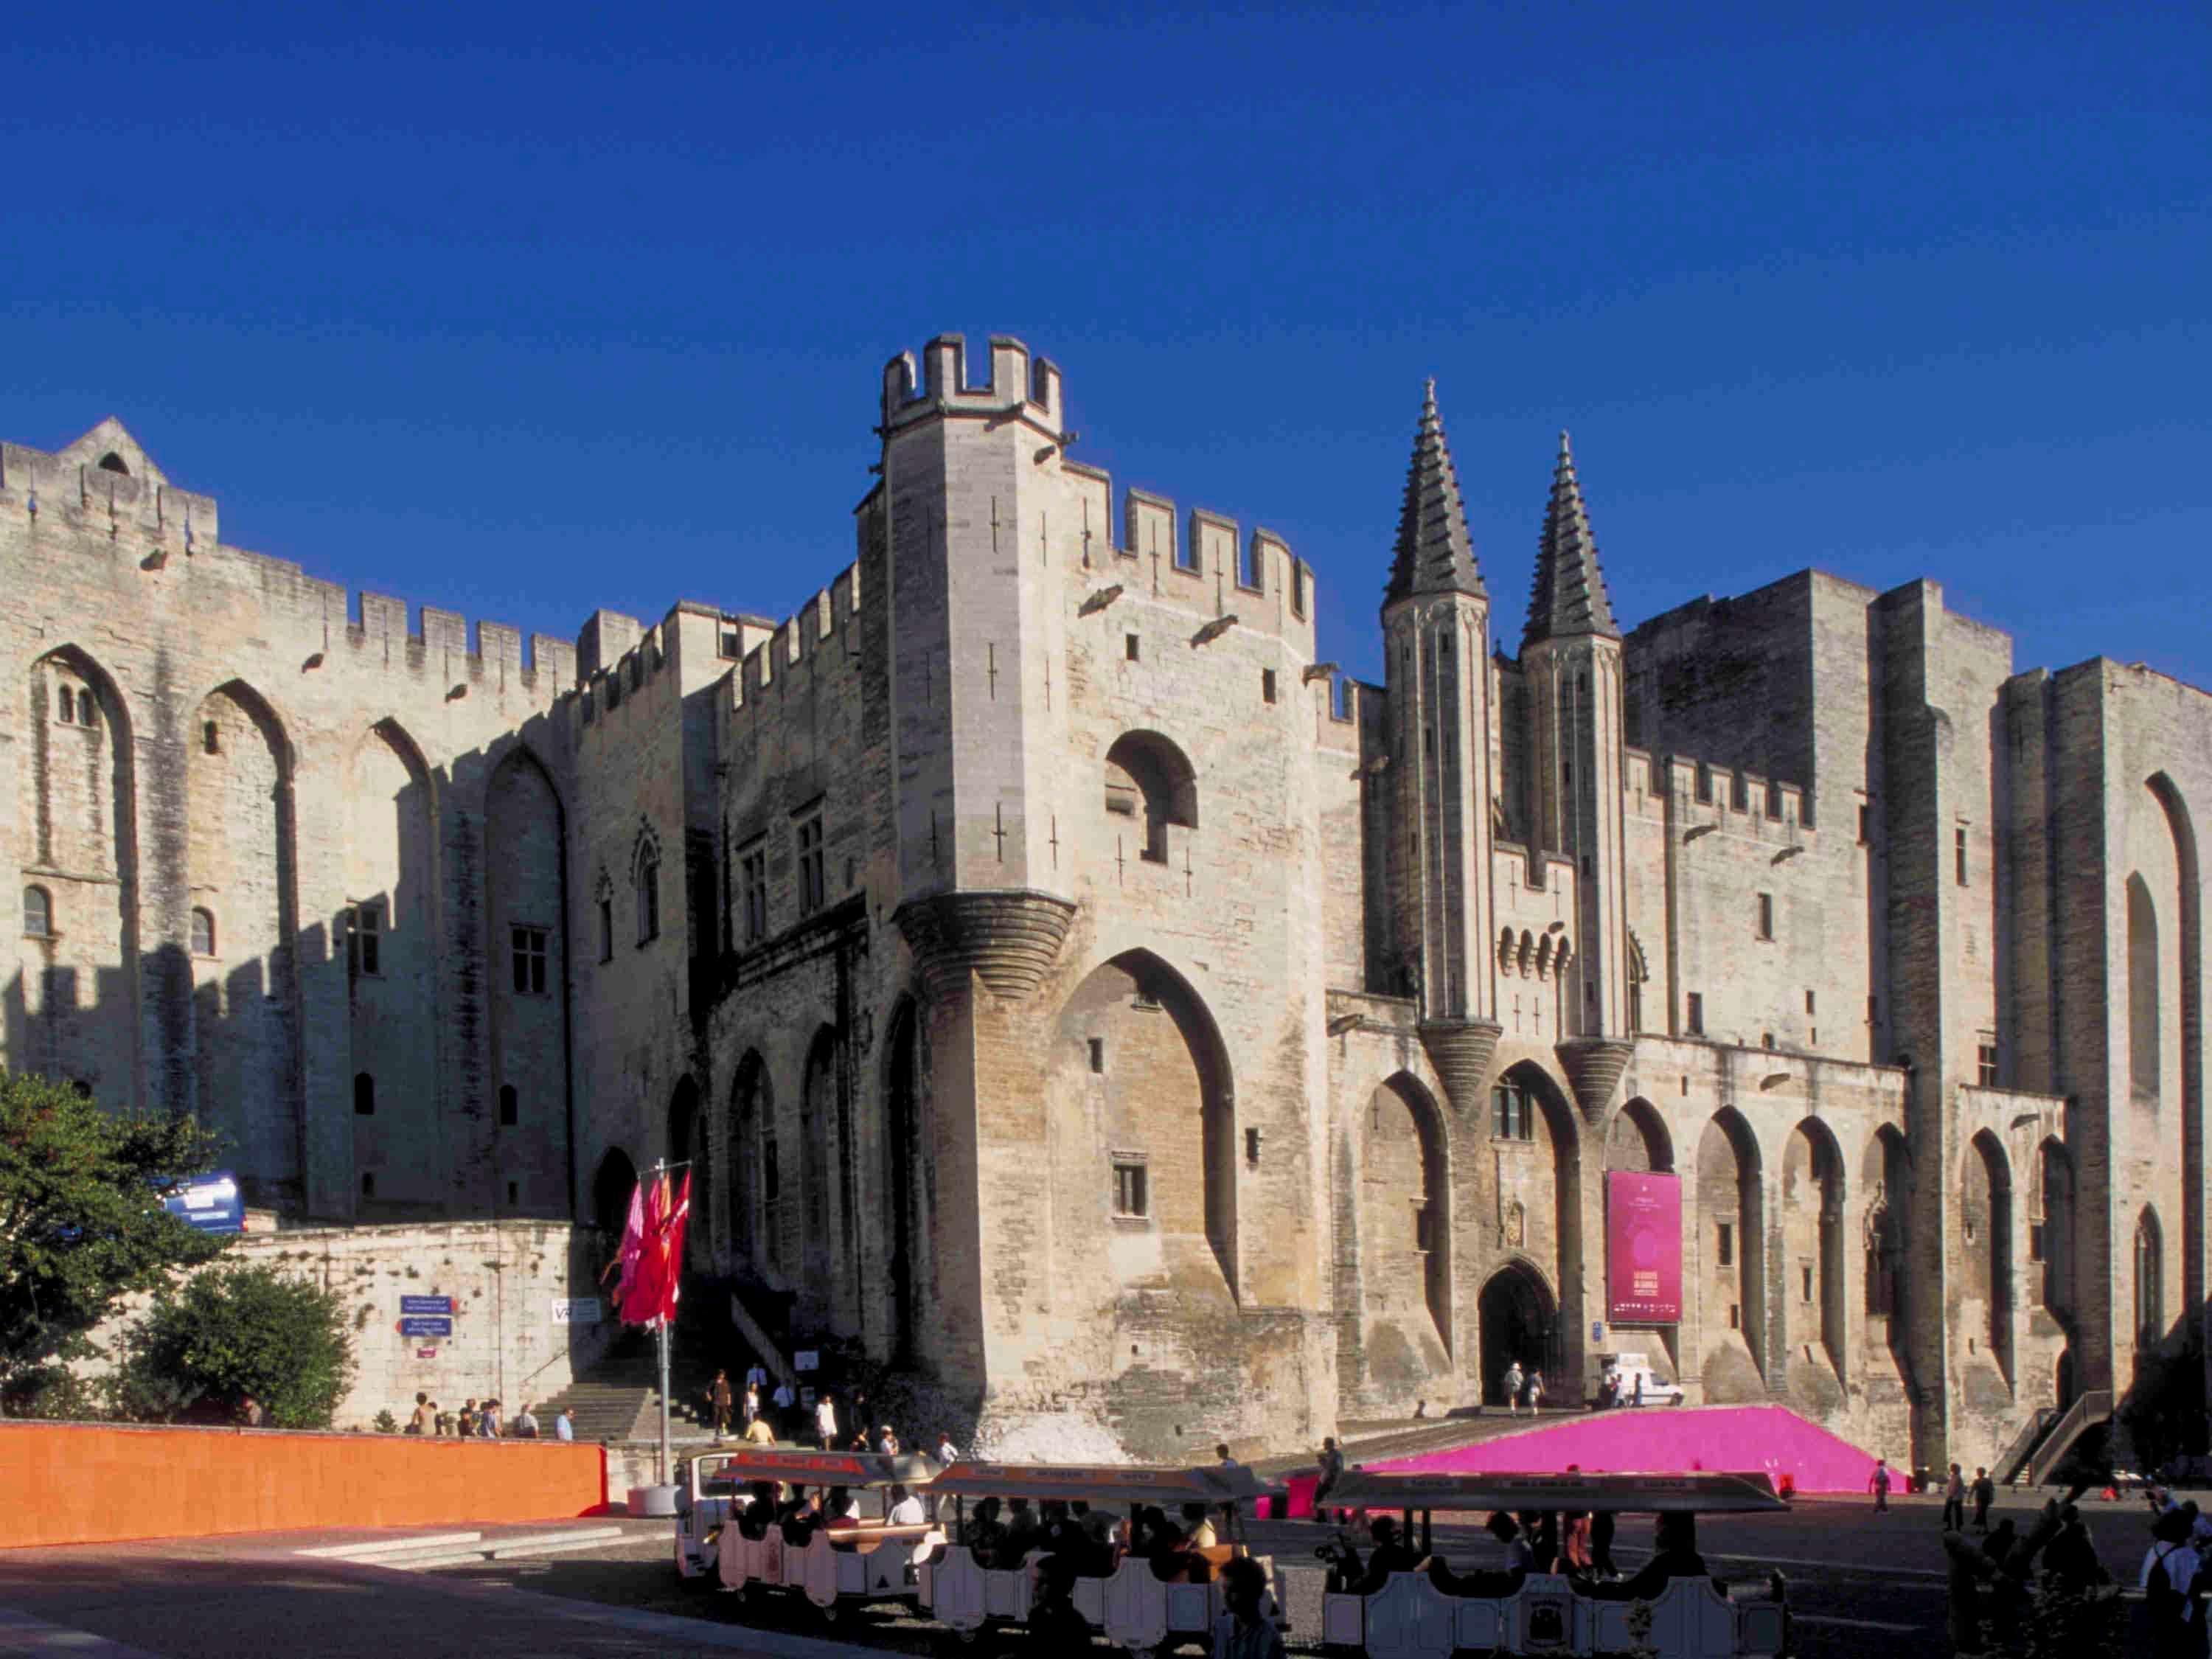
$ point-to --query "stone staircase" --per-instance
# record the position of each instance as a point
(1408, 1436)
(618, 1398)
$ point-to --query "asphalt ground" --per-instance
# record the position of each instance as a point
(1857, 1580)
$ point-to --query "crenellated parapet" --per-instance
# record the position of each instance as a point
(1017, 385)
(1743, 802)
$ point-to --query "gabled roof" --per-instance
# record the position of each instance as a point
(1434, 553)
(1570, 596)
(110, 445)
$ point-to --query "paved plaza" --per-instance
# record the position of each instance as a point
(1855, 1578)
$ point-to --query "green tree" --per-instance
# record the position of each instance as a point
(236, 1330)
(81, 1224)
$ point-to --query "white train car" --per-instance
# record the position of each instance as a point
(1132, 1606)
(1408, 1617)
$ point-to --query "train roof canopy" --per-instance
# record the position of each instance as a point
(1643, 1494)
(1105, 1484)
(820, 1468)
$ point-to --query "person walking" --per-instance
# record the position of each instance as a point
(721, 1400)
(564, 1426)
(825, 1421)
(947, 1453)
(752, 1401)
(250, 1413)
(1954, 1501)
(1878, 1483)
(1536, 1392)
(1513, 1387)
(526, 1423)
(425, 1416)
(1332, 1471)
(784, 1399)
(1984, 1492)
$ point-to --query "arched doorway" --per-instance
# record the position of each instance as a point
(687, 1144)
(1520, 1325)
(610, 1193)
(1986, 1217)
(1638, 1141)
(1812, 1241)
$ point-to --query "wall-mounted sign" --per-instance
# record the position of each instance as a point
(425, 1305)
(806, 1359)
(577, 1310)
(1643, 1247)
(210, 1203)
(426, 1353)
(425, 1325)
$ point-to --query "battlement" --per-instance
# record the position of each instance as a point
(822, 619)
(1017, 383)
(1745, 802)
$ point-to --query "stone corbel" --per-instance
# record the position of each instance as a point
(1008, 939)
(1594, 1066)
(1461, 1051)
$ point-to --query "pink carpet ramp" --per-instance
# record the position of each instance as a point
(1668, 1440)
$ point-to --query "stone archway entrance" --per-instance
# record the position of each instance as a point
(1520, 1322)
(610, 1193)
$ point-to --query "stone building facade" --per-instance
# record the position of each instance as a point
(1063, 982)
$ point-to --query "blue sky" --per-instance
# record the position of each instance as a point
(523, 312)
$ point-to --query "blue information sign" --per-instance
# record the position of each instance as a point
(425, 1305)
(426, 1325)
(210, 1203)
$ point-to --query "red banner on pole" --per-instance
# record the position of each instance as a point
(1643, 1247)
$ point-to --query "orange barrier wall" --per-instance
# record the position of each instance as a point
(85, 1483)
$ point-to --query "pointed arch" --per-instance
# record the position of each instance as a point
(1986, 1212)
(2150, 1279)
(1638, 1140)
(1732, 1246)
(527, 957)
(906, 1159)
(1167, 1094)
(1813, 1199)
(2189, 921)
(611, 1187)
(2054, 1229)
(1149, 778)
(91, 993)
(1404, 1214)
(242, 852)
(755, 1183)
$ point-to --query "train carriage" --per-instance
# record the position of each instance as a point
(873, 1559)
(1409, 1618)
(1133, 1607)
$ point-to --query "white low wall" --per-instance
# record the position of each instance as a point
(513, 1286)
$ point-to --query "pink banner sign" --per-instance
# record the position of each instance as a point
(1643, 1247)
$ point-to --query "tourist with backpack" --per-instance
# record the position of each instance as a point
(2168, 1581)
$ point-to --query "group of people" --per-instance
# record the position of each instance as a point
(1957, 1490)
(781, 1414)
(1523, 1389)
(1999, 1598)
(484, 1420)
(1577, 1544)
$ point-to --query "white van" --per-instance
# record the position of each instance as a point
(1657, 1391)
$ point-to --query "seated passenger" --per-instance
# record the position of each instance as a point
(906, 1509)
(985, 1534)
(841, 1511)
(1507, 1531)
(1021, 1534)
(1391, 1555)
(1243, 1633)
(759, 1511)
(1677, 1557)
(1056, 1624)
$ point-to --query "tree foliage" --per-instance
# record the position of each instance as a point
(81, 1224)
(233, 1331)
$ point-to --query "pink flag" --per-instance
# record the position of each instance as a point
(660, 1263)
(633, 1246)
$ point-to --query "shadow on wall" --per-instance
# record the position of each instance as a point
(405, 1057)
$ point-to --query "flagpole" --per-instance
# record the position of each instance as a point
(660, 1174)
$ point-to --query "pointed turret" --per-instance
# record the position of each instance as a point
(1570, 595)
(1434, 553)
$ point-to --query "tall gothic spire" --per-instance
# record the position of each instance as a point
(1434, 553)
(1570, 595)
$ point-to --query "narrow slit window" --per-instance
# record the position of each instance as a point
(37, 913)
(202, 932)
(528, 951)
(364, 1095)
(1132, 1196)
(510, 1106)
(1724, 1244)
(1098, 1055)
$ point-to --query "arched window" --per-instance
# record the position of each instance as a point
(37, 913)
(202, 932)
(1149, 778)
(364, 1095)
(510, 1106)
(2150, 1280)
(648, 892)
